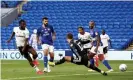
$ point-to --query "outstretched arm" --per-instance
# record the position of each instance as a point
(84, 42)
(98, 42)
(12, 35)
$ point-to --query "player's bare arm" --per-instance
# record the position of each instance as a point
(84, 42)
(98, 42)
(53, 36)
(12, 35)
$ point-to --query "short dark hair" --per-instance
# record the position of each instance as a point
(44, 18)
(81, 28)
(21, 21)
(92, 21)
(69, 36)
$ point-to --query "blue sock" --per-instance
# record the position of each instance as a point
(45, 61)
(92, 61)
(105, 62)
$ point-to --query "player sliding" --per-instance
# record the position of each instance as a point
(21, 34)
(81, 56)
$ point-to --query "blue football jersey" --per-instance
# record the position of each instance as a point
(93, 34)
(45, 34)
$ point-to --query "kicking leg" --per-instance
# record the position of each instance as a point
(96, 69)
(28, 57)
(105, 62)
(93, 67)
(33, 56)
(66, 58)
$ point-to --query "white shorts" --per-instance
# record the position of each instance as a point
(100, 50)
(49, 47)
(35, 46)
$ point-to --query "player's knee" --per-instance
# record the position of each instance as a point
(67, 58)
(46, 52)
(51, 54)
(35, 56)
(101, 57)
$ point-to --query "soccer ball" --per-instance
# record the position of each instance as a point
(123, 67)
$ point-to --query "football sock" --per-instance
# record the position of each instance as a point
(31, 56)
(45, 61)
(92, 61)
(105, 62)
(94, 68)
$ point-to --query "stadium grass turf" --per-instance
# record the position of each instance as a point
(20, 70)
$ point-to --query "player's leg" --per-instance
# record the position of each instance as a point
(102, 59)
(51, 52)
(61, 61)
(96, 59)
(26, 55)
(33, 55)
(45, 48)
(105, 51)
(92, 59)
(30, 59)
(88, 65)
(92, 51)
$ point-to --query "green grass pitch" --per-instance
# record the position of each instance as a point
(20, 70)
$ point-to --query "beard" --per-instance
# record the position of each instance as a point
(45, 24)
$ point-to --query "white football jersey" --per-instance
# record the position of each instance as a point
(104, 39)
(85, 37)
(20, 36)
(33, 39)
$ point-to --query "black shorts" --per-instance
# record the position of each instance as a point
(25, 53)
(105, 50)
(84, 60)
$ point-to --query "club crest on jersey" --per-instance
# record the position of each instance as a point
(48, 29)
(71, 45)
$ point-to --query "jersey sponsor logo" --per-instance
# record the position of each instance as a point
(48, 29)
(19, 36)
(71, 45)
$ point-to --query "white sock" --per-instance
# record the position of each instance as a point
(102, 71)
(36, 68)
(48, 67)
(31, 56)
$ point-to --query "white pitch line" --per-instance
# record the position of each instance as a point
(22, 78)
